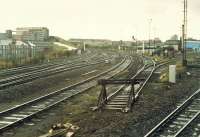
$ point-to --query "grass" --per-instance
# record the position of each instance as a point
(5, 64)
(81, 104)
(180, 68)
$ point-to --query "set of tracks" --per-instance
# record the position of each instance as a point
(120, 99)
(182, 120)
(16, 115)
(51, 69)
(53, 63)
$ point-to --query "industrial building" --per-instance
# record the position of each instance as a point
(10, 49)
(32, 34)
(23, 43)
(193, 45)
(17, 50)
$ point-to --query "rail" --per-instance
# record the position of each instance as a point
(57, 96)
(172, 115)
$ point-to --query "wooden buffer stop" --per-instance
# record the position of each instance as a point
(126, 98)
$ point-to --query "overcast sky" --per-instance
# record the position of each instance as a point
(109, 19)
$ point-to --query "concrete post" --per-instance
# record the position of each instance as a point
(172, 73)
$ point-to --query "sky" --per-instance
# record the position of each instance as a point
(103, 19)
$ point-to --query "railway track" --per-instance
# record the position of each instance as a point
(119, 100)
(56, 63)
(27, 77)
(19, 114)
(122, 98)
(180, 120)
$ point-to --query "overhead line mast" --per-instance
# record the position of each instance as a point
(184, 33)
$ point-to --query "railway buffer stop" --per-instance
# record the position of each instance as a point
(104, 98)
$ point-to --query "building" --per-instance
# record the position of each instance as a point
(173, 43)
(6, 35)
(32, 34)
(92, 42)
(39, 47)
(4, 48)
(3, 36)
(10, 49)
(193, 45)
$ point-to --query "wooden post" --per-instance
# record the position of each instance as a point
(103, 96)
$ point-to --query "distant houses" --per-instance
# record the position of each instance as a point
(91, 42)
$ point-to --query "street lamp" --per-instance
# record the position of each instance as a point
(150, 21)
(135, 42)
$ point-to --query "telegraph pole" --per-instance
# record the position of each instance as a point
(185, 17)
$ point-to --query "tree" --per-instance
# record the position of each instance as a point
(174, 37)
